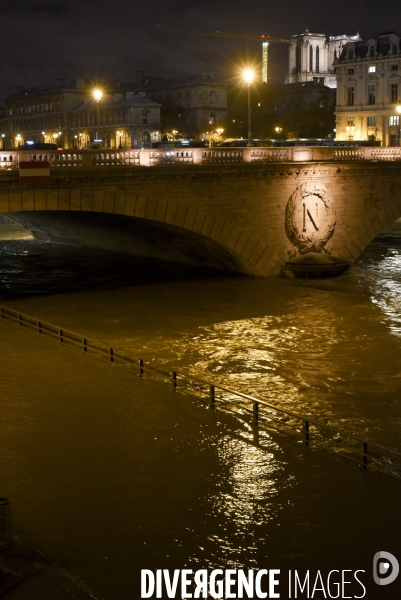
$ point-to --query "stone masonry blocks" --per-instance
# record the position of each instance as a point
(119, 203)
(161, 209)
(40, 198)
(171, 212)
(108, 201)
(130, 204)
(64, 199)
(75, 199)
(95, 202)
(4, 201)
(28, 199)
(51, 199)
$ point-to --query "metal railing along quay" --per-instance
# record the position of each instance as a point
(366, 454)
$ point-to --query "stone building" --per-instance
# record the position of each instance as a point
(125, 120)
(70, 117)
(369, 90)
(312, 55)
(292, 110)
(190, 105)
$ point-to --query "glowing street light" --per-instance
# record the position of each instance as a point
(248, 77)
(97, 94)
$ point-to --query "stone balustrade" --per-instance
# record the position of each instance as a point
(9, 159)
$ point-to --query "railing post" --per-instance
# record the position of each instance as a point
(85, 345)
(19, 320)
(212, 395)
(256, 411)
(174, 381)
(306, 432)
(365, 455)
(140, 367)
(111, 355)
(60, 335)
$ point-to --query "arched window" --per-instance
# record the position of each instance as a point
(317, 66)
(212, 97)
(298, 59)
(212, 118)
(310, 58)
(146, 139)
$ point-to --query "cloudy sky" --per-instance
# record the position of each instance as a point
(42, 40)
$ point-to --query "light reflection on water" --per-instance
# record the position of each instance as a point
(244, 502)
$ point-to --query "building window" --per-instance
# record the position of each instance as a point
(371, 121)
(394, 92)
(298, 59)
(371, 50)
(394, 67)
(351, 121)
(394, 121)
(372, 69)
(317, 66)
(310, 58)
(394, 48)
(350, 53)
(212, 97)
(350, 96)
(371, 94)
(350, 71)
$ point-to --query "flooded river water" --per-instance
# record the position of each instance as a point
(110, 474)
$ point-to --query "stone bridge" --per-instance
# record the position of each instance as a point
(249, 210)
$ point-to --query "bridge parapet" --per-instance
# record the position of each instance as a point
(9, 159)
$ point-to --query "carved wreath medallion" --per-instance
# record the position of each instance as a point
(309, 218)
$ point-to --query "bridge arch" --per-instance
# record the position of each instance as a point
(210, 240)
(370, 228)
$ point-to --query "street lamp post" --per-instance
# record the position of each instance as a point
(97, 94)
(248, 76)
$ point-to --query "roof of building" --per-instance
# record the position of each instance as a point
(361, 47)
(205, 78)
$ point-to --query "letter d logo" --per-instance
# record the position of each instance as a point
(387, 566)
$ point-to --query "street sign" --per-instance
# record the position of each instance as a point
(34, 172)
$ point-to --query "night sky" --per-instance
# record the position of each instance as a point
(42, 40)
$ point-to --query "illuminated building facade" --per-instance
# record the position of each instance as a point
(368, 101)
(191, 106)
(312, 55)
(71, 117)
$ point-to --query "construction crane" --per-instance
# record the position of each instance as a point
(265, 39)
